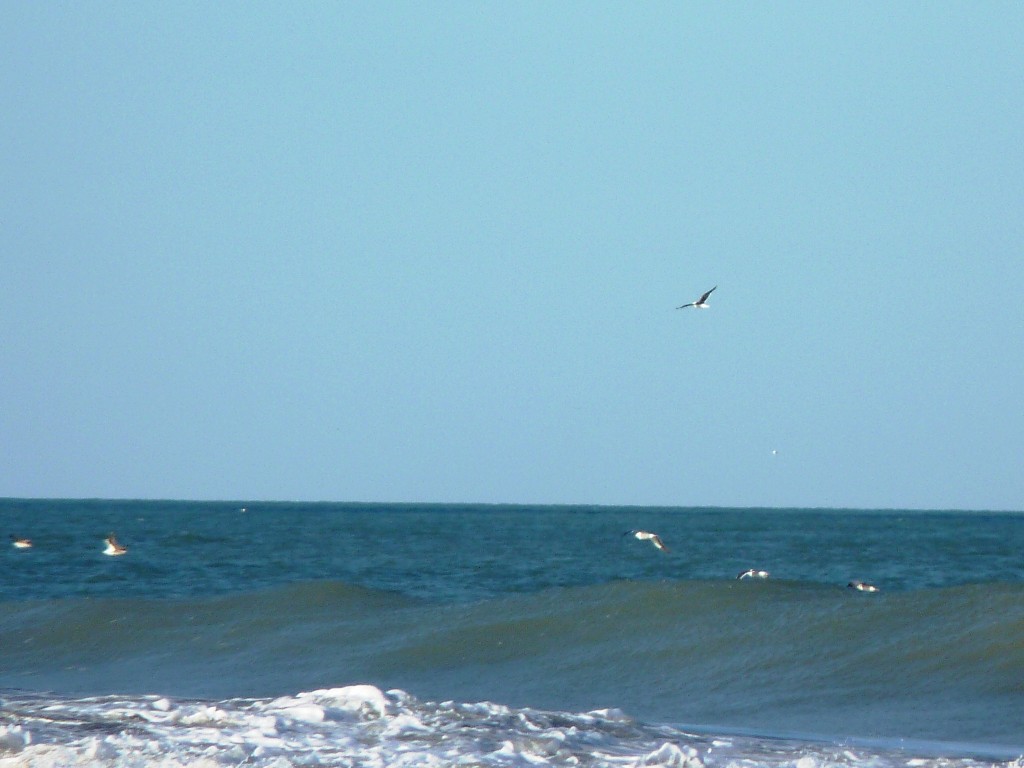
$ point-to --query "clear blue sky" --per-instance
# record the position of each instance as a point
(432, 251)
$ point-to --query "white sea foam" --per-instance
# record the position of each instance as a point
(366, 727)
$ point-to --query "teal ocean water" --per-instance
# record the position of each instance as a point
(350, 634)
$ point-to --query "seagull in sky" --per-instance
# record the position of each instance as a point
(648, 536)
(701, 303)
(113, 548)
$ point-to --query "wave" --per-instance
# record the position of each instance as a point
(744, 626)
(684, 617)
(769, 654)
(362, 725)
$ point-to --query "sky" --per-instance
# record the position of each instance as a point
(432, 252)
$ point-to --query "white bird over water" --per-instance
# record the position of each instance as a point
(20, 543)
(753, 573)
(701, 303)
(862, 586)
(654, 538)
(113, 548)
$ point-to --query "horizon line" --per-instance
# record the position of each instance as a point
(601, 505)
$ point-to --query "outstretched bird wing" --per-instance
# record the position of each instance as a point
(704, 298)
(699, 301)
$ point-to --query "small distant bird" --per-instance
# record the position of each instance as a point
(648, 536)
(753, 573)
(20, 543)
(113, 548)
(701, 303)
(862, 586)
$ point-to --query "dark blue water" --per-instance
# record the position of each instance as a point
(544, 607)
(459, 553)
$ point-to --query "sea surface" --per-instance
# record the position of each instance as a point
(286, 634)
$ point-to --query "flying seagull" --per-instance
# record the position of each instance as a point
(20, 543)
(113, 548)
(648, 536)
(862, 586)
(701, 303)
(753, 573)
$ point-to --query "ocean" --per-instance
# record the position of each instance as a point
(301, 634)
